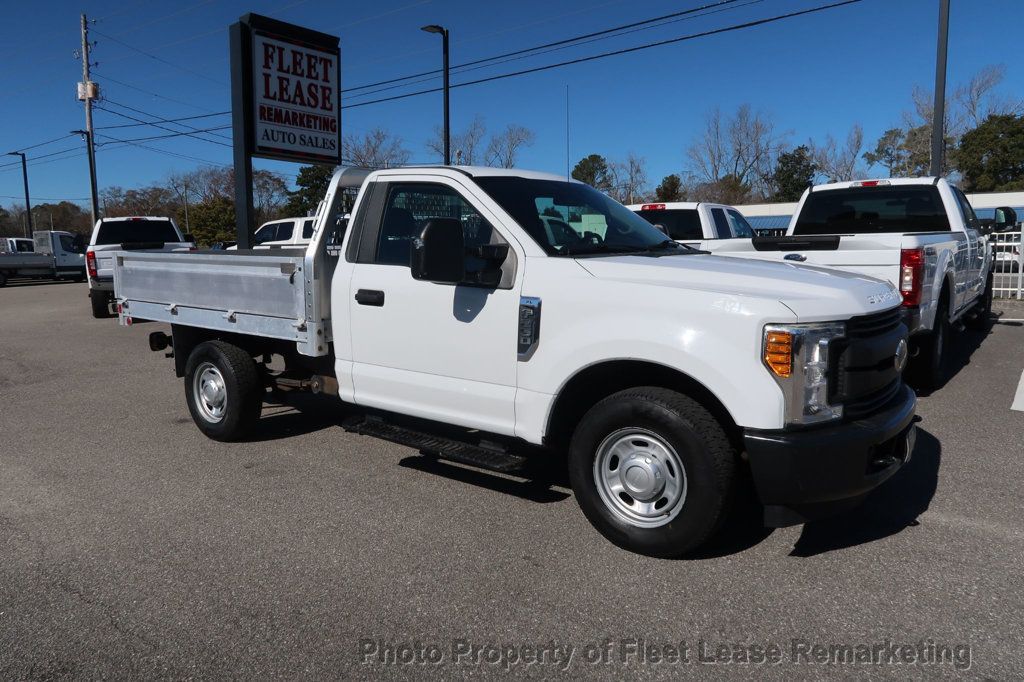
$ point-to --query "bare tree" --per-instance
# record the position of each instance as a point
(629, 179)
(838, 162)
(376, 149)
(504, 146)
(466, 149)
(743, 147)
(977, 99)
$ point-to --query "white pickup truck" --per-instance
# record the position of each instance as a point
(54, 255)
(699, 224)
(449, 318)
(920, 234)
(116, 234)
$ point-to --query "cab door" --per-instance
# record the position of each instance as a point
(441, 352)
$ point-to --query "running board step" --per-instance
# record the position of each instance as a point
(439, 446)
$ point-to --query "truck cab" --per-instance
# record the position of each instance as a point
(699, 224)
(449, 315)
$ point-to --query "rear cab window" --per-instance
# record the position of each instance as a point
(307, 229)
(873, 210)
(136, 231)
(680, 224)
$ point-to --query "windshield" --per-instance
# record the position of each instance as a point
(870, 210)
(142, 230)
(573, 219)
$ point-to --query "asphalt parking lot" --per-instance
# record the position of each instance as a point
(130, 545)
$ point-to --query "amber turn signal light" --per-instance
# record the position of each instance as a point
(778, 353)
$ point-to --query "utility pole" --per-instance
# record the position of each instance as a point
(28, 204)
(443, 32)
(88, 91)
(939, 108)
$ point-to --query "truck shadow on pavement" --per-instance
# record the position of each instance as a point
(961, 348)
(888, 510)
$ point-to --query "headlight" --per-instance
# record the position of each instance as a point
(797, 357)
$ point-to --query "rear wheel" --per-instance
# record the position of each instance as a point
(100, 301)
(928, 370)
(652, 470)
(223, 390)
(983, 309)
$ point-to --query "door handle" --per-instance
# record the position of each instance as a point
(370, 297)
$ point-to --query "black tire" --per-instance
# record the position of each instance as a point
(240, 383)
(698, 441)
(99, 301)
(982, 315)
(928, 370)
(3, 280)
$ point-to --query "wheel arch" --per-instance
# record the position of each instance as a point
(593, 383)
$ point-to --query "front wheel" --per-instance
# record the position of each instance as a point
(223, 390)
(653, 471)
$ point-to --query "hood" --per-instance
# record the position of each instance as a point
(812, 293)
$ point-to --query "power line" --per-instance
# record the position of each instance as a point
(547, 45)
(42, 144)
(153, 94)
(159, 120)
(177, 134)
(156, 124)
(646, 46)
(537, 51)
(187, 70)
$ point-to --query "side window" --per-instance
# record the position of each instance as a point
(307, 229)
(26, 246)
(67, 243)
(739, 224)
(284, 231)
(970, 219)
(410, 206)
(265, 234)
(721, 223)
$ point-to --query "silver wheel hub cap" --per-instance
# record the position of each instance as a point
(640, 477)
(210, 392)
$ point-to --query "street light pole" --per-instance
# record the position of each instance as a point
(28, 204)
(939, 108)
(434, 28)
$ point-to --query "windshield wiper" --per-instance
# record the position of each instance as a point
(674, 245)
(594, 249)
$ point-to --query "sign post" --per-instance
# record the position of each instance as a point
(285, 102)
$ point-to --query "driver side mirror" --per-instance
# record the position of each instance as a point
(438, 254)
(1005, 217)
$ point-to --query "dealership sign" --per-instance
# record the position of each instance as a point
(289, 76)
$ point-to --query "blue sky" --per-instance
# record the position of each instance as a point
(812, 75)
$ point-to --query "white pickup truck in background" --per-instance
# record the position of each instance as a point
(920, 234)
(117, 234)
(54, 255)
(698, 224)
(284, 233)
(450, 317)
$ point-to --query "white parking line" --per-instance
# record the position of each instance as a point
(1018, 400)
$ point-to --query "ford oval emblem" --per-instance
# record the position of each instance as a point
(902, 353)
(798, 257)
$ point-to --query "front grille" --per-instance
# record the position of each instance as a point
(874, 324)
(863, 376)
(870, 403)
